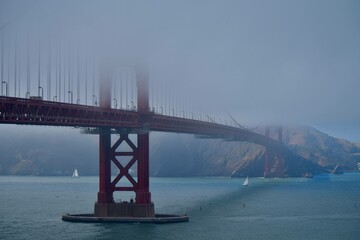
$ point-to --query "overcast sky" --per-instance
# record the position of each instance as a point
(280, 61)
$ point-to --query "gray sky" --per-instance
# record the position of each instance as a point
(283, 61)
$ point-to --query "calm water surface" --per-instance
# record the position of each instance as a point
(325, 207)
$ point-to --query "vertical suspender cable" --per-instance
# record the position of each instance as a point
(28, 70)
(64, 79)
(39, 70)
(78, 78)
(94, 85)
(86, 79)
(15, 70)
(157, 97)
(169, 102)
(49, 73)
(121, 80)
(59, 87)
(152, 97)
(126, 89)
(165, 102)
(19, 70)
(132, 79)
(114, 87)
(56, 75)
(69, 80)
(2, 59)
(9, 69)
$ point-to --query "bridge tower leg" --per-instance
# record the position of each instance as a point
(266, 164)
(143, 195)
(273, 162)
(105, 194)
(279, 166)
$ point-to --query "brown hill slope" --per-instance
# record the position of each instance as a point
(50, 151)
(310, 151)
(185, 155)
(321, 148)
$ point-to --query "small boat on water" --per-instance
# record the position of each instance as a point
(308, 175)
(75, 173)
(246, 183)
(338, 169)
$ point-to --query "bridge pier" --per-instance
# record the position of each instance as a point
(105, 205)
(106, 209)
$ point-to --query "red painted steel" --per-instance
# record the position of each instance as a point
(105, 194)
(139, 153)
(273, 160)
(143, 195)
(142, 84)
(266, 167)
(123, 171)
(141, 122)
(36, 112)
(280, 168)
(142, 192)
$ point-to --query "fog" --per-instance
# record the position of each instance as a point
(280, 62)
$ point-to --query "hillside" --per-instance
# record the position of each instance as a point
(46, 151)
(321, 148)
(188, 156)
(58, 151)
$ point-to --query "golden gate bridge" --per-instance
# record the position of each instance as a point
(50, 83)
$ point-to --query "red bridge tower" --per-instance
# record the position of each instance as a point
(273, 166)
(139, 154)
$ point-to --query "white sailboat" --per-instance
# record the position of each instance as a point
(75, 173)
(246, 183)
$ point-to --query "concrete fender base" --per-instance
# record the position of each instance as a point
(124, 209)
(158, 218)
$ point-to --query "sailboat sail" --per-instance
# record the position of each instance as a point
(246, 183)
(76, 173)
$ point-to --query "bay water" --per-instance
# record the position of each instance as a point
(323, 207)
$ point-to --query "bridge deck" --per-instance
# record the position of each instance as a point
(38, 112)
